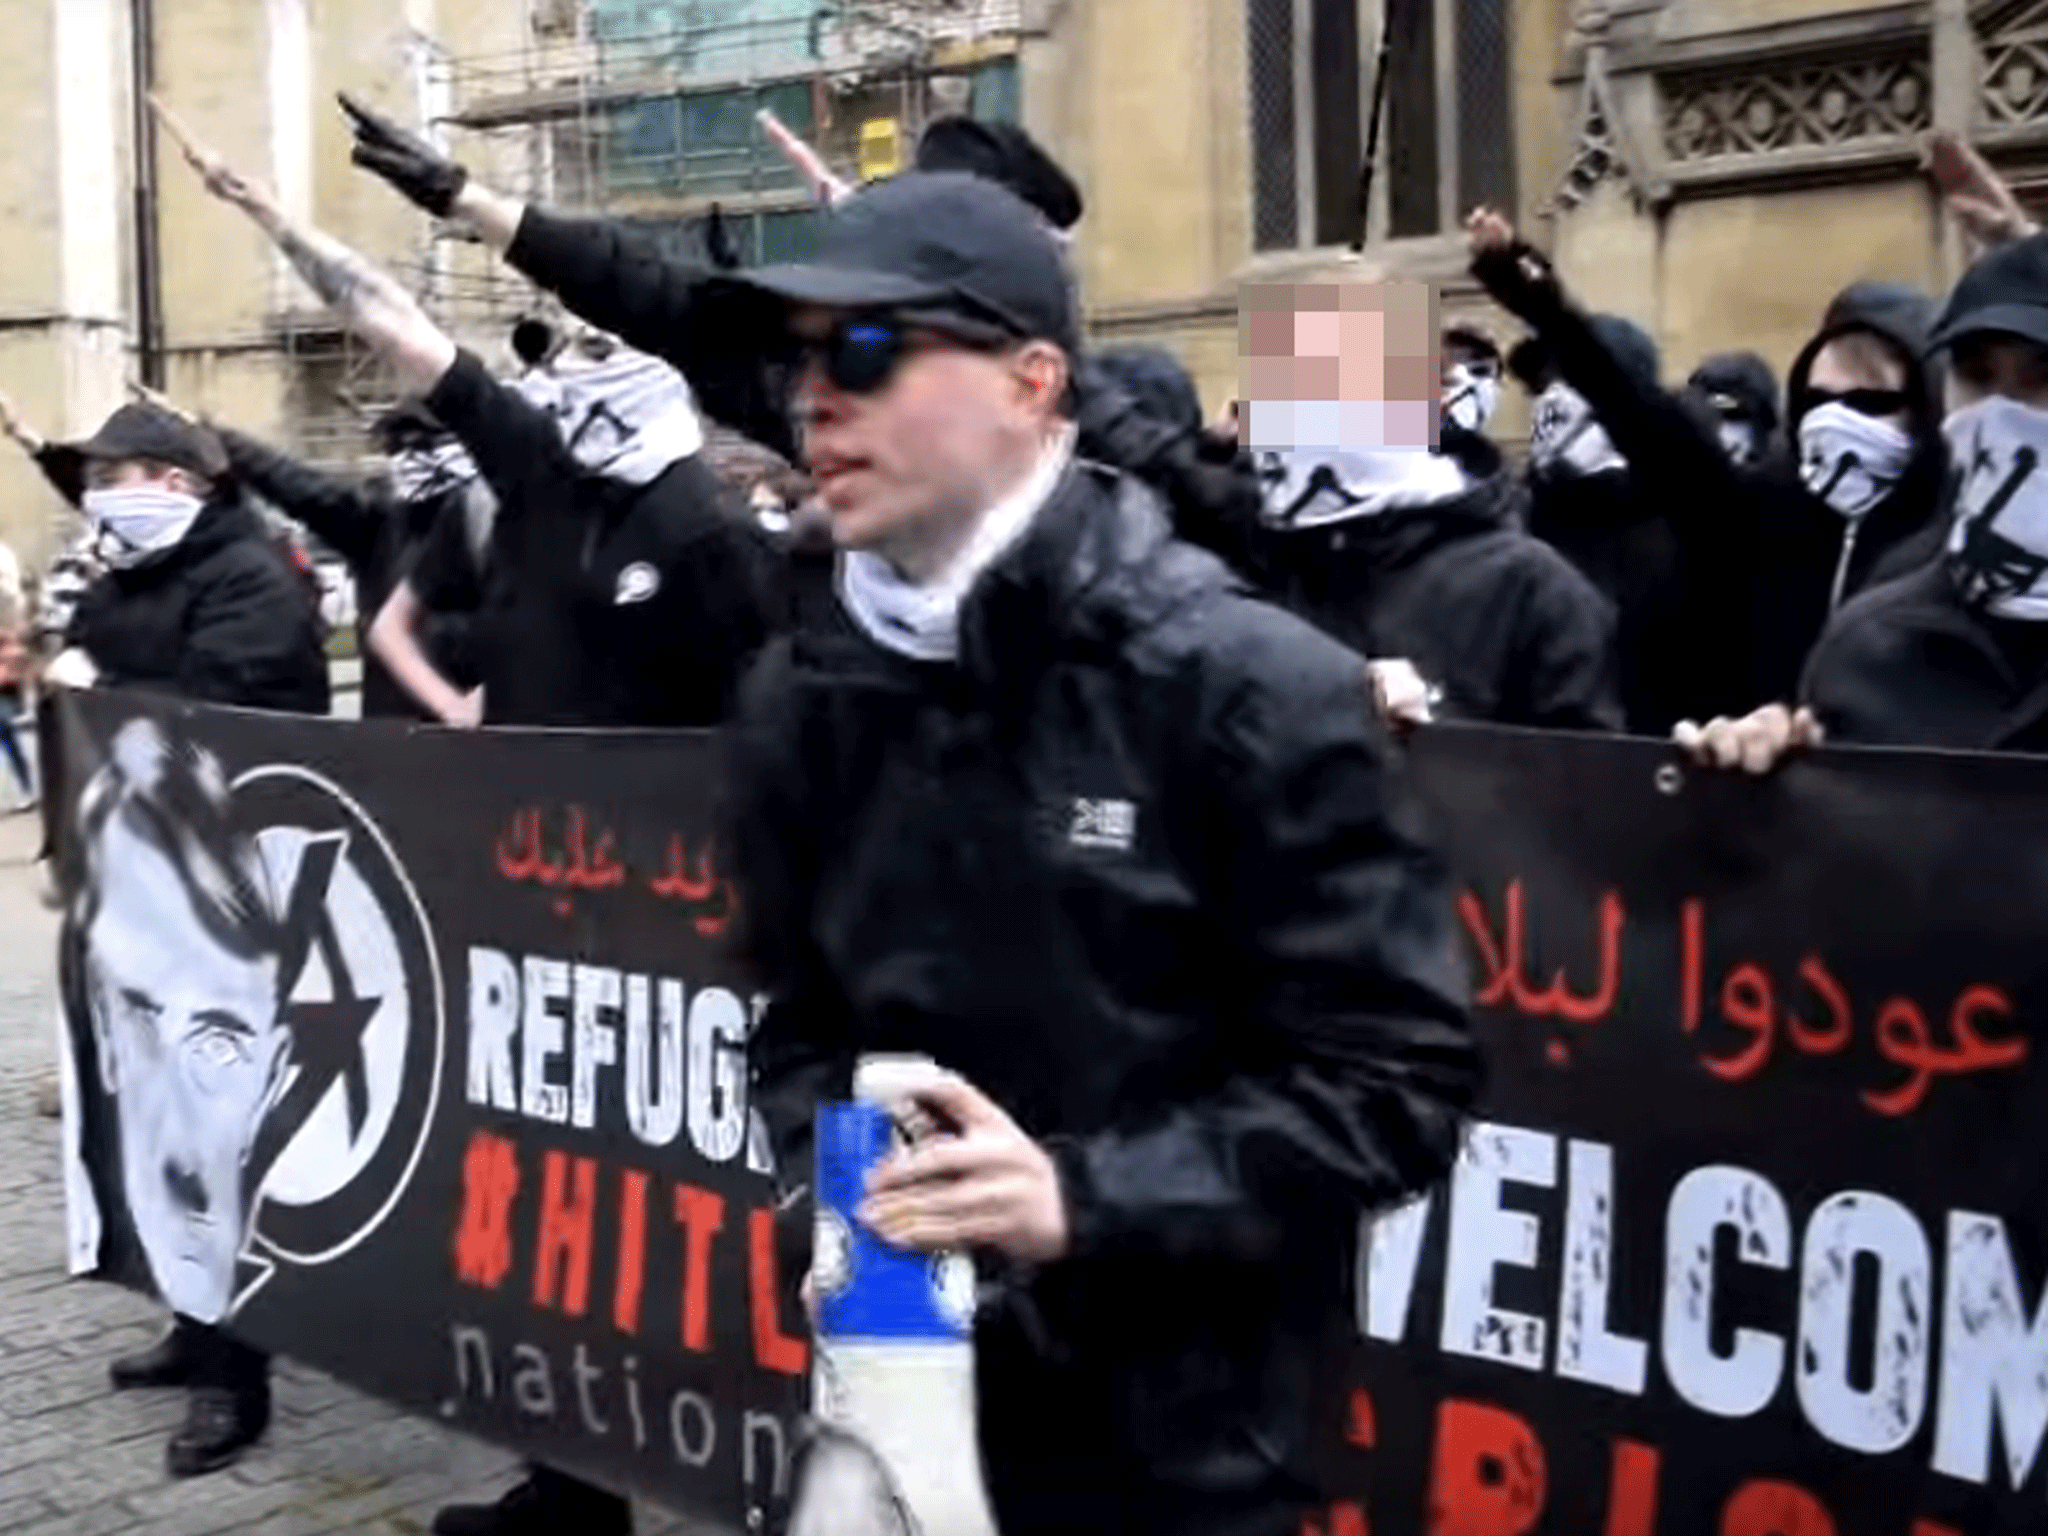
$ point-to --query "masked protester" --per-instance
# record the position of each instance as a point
(1472, 368)
(1955, 654)
(196, 602)
(376, 526)
(1157, 1210)
(1585, 500)
(1416, 554)
(1757, 554)
(1738, 393)
(620, 586)
(196, 599)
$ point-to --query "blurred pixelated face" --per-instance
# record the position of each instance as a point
(1350, 366)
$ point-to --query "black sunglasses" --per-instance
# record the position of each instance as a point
(1865, 402)
(862, 351)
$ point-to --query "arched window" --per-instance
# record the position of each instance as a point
(1447, 142)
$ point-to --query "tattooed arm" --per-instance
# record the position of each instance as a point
(374, 304)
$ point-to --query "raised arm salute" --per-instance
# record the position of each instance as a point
(374, 304)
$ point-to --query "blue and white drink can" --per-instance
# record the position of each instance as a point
(895, 1347)
(866, 1289)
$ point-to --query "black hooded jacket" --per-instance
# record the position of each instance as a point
(1755, 555)
(1143, 868)
(1612, 531)
(377, 535)
(219, 619)
(1908, 664)
(1495, 619)
(1904, 531)
(1745, 382)
(603, 604)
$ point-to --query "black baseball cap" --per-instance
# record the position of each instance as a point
(140, 431)
(938, 243)
(2005, 290)
(1006, 155)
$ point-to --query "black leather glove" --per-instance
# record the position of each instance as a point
(420, 172)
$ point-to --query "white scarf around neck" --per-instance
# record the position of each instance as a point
(1309, 487)
(921, 620)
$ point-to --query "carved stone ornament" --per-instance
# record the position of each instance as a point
(2013, 47)
(1762, 111)
(1600, 149)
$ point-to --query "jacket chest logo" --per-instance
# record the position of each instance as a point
(1109, 826)
(637, 583)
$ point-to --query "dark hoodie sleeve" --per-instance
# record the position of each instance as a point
(1350, 972)
(1209, 486)
(338, 512)
(1565, 650)
(713, 330)
(1671, 459)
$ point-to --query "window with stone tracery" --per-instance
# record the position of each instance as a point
(1446, 140)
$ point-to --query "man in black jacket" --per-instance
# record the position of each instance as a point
(1408, 550)
(376, 526)
(1049, 761)
(623, 587)
(196, 602)
(1759, 554)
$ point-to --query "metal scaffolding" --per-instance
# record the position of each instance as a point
(646, 109)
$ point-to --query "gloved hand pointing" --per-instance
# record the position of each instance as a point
(419, 172)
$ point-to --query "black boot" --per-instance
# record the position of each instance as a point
(546, 1503)
(220, 1424)
(171, 1361)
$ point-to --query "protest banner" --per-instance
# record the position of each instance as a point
(419, 1056)
(1751, 1236)
(1748, 1239)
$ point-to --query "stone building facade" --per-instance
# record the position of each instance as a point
(1715, 169)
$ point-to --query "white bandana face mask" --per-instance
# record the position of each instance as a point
(1849, 460)
(421, 474)
(1310, 487)
(1998, 547)
(1565, 440)
(1471, 397)
(134, 523)
(627, 418)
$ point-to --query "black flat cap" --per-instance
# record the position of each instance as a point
(1007, 155)
(939, 243)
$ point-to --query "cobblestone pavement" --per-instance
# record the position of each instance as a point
(78, 1460)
